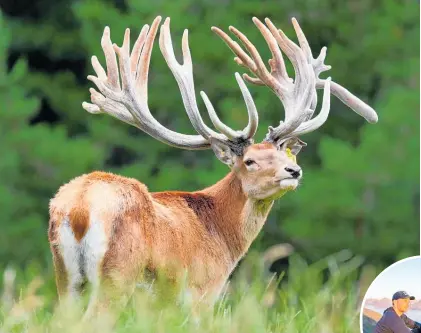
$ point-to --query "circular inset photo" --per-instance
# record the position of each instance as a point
(392, 303)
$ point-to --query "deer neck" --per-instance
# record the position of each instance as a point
(236, 218)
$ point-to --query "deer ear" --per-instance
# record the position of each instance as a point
(223, 152)
(294, 144)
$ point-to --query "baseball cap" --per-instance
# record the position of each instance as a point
(402, 294)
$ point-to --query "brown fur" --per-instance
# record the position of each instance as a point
(60, 269)
(204, 232)
(79, 219)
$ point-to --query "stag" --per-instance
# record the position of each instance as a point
(106, 229)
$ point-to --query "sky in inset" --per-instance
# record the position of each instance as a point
(405, 275)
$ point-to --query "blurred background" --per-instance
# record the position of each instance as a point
(360, 190)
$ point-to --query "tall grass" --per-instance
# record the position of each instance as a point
(253, 302)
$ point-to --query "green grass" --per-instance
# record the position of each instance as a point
(254, 302)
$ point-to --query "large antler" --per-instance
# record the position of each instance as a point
(129, 102)
(298, 96)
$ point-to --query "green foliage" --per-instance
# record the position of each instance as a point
(368, 191)
(302, 304)
(361, 181)
(35, 160)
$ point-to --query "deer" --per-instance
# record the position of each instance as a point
(109, 230)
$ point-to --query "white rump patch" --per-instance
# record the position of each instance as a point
(94, 245)
(70, 250)
(82, 260)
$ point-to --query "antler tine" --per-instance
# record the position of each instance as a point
(352, 101)
(123, 53)
(277, 64)
(320, 119)
(144, 58)
(260, 68)
(219, 125)
(243, 57)
(302, 40)
(137, 49)
(184, 77)
(302, 68)
(251, 128)
(110, 58)
(305, 47)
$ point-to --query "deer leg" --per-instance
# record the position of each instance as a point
(113, 282)
(69, 275)
(60, 273)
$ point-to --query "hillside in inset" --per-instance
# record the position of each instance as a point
(370, 319)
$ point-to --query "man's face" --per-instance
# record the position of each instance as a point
(402, 304)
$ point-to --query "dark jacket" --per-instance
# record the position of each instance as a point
(390, 322)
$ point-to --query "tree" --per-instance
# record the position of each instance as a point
(51, 139)
(35, 160)
(365, 195)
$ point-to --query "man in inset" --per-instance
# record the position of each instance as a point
(394, 320)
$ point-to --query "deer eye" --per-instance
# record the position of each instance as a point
(249, 162)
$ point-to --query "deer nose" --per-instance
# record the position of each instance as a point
(295, 172)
